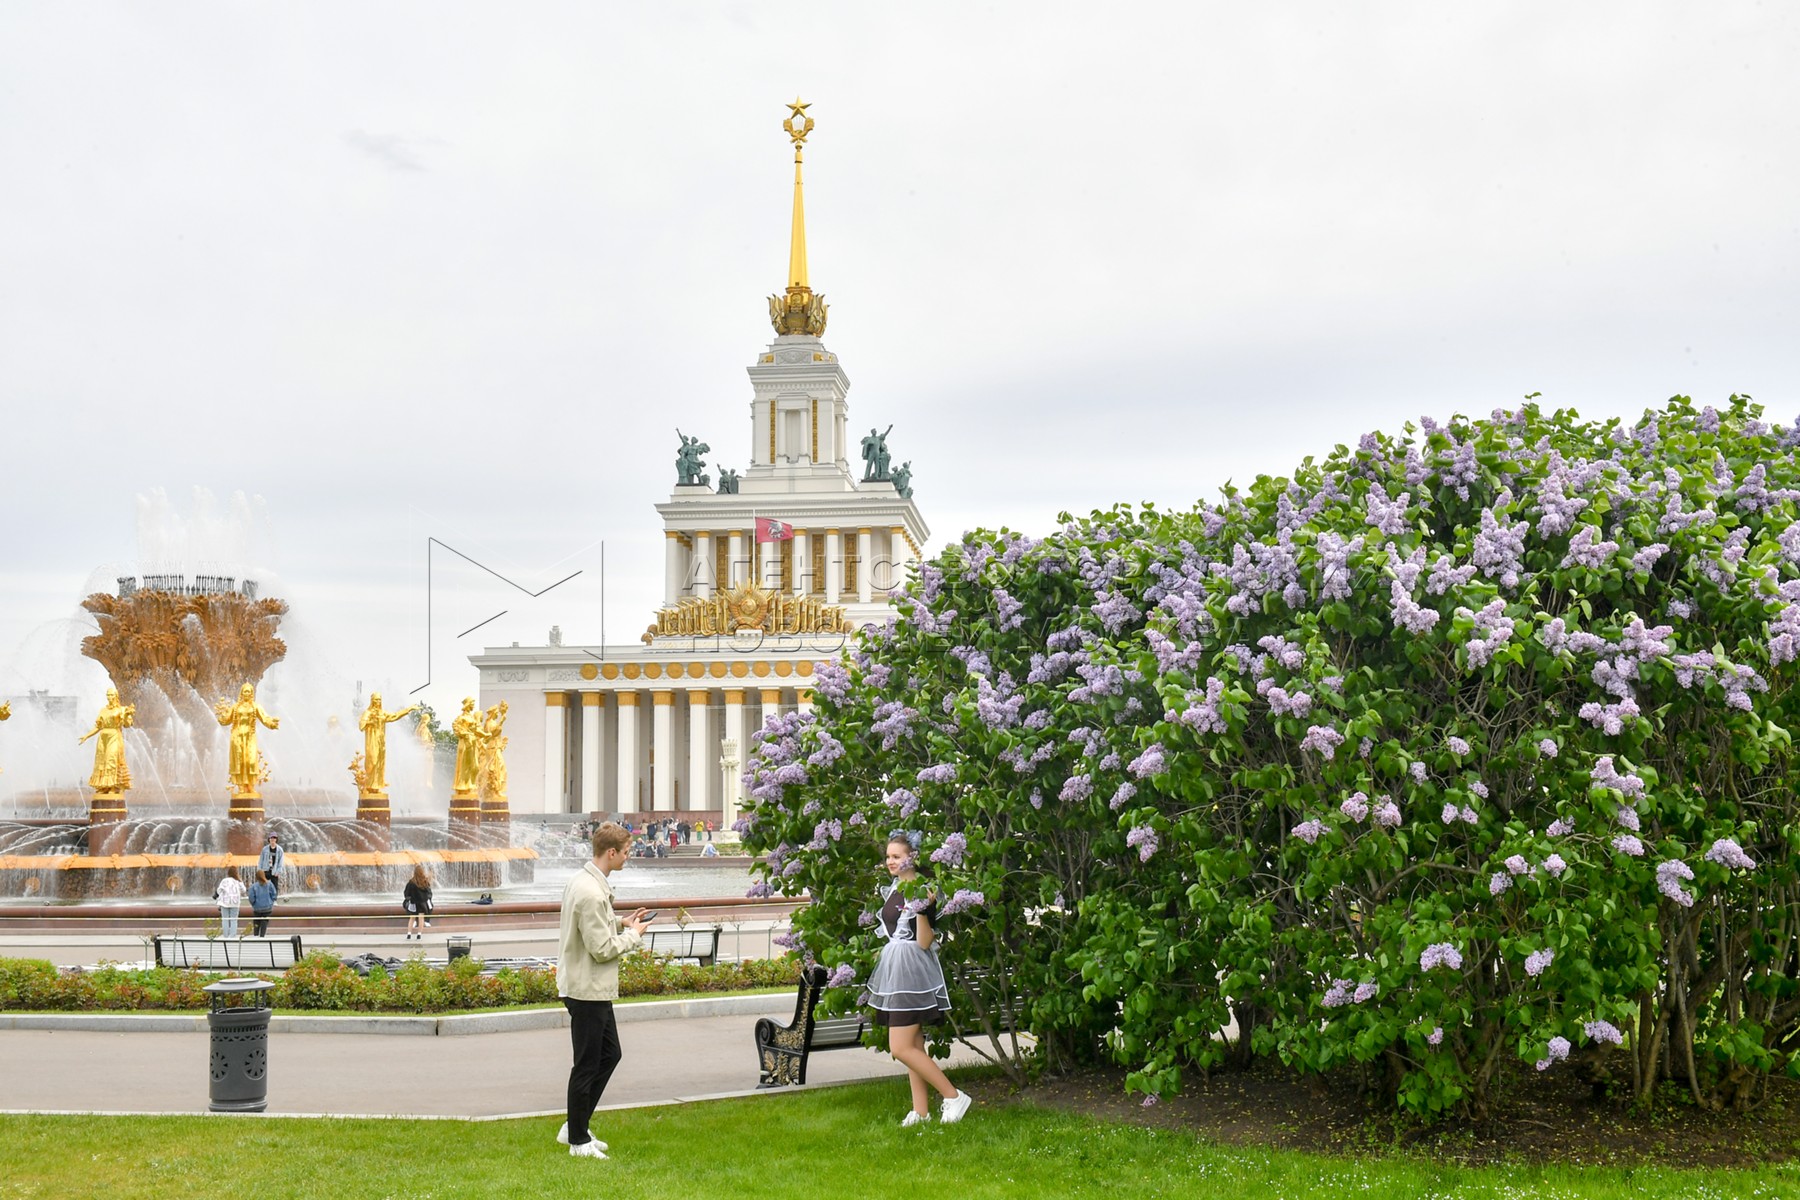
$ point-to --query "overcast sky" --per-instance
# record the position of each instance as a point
(459, 270)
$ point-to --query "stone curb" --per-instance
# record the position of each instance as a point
(401, 1026)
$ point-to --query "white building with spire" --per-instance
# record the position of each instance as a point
(765, 575)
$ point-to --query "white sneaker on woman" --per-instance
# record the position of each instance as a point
(914, 1118)
(587, 1150)
(954, 1108)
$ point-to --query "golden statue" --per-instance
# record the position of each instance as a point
(374, 723)
(247, 770)
(111, 777)
(491, 776)
(467, 728)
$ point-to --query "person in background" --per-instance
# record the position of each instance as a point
(271, 861)
(230, 896)
(416, 900)
(262, 904)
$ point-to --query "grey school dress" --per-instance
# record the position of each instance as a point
(907, 986)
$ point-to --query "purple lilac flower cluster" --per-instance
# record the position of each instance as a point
(842, 976)
(961, 901)
(1142, 838)
(1727, 853)
(1309, 831)
(1322, 740)
(1669, 876)
(1557, 1051)
(1538, 960)
(1604, 1032)
(1493, 629)
(1440, 954)
(951, 852)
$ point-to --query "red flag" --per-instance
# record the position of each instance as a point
(768, 529)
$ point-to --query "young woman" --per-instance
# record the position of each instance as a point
(229, 895)
(417, 903)
(907, 986)
(262, 904)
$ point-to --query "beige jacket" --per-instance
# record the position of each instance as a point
(593, 939)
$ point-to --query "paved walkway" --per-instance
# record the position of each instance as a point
(499, 1074)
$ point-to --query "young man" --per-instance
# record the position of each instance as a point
(592, 941)
(272, 860)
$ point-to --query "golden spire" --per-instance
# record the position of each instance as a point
(799, 311)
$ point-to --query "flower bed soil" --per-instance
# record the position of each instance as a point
(1540, 1119)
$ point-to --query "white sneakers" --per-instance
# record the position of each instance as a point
(587, 1150)
(562, 1139)
(914, 1118)
(954, 1108)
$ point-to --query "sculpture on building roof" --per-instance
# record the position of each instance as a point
(903, 480)
(875, 455)
(728, 482)
(688, 463)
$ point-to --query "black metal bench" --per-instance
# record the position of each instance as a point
(700, 943)
(782, 1049)
(231, 954)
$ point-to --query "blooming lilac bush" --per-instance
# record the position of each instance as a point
(1456, 749)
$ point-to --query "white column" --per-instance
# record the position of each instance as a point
(627, 752)
(802, 562)
(865, 548)
(662, 750)
(671, 567)
(703, 565)
(735, 568)
(834, 566)
(730, 784)
(590, 751)
(771, 702)
(901, 558)
(734, 716)
(770, 555)
(700, 751)
(555, 782)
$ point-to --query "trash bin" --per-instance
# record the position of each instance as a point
(239, 1023)
(459, 946)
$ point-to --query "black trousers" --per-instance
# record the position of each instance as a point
(595, 1039)
(259, 926)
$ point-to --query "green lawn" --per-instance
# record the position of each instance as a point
(836, 1142)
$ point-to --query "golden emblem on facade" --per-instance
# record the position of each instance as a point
(746, 608)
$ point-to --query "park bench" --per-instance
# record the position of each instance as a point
(781, 1050)
(223, 953)
(700, 943)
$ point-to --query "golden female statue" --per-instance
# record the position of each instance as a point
(493, 763)
(242, 717)
(467, 728)
(374, 725)
(110, 777)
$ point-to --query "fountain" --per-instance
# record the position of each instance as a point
(186, 655)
